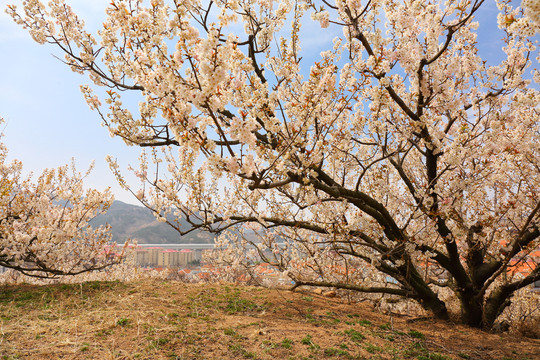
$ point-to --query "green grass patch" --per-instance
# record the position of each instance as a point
(122, 322)
(415, 349)
(433, 356)
(416, 334)
(157, 343)
(308, 340)
(286, 343)
(355, 335)
(230, 332)
(370, 348)
(332, 351)
(239, 349)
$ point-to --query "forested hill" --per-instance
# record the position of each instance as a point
(138, 223)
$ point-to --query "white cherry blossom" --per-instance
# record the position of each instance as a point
(44, 229)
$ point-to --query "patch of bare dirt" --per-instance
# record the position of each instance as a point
(174, 320)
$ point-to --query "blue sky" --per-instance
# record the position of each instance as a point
(48, 121)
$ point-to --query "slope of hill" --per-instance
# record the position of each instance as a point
(137, 222)
(153, 319)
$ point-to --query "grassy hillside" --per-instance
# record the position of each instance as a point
(173, 320)
(137, 222)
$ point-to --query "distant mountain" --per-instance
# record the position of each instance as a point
(138, 223)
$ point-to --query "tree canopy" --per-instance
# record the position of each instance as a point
(400, 160)
(44, 229)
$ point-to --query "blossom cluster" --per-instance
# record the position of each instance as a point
(532, 10)
(44, 223)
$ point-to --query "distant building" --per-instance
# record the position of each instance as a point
(160, 257)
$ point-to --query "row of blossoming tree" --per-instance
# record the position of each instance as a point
(44, 229)
(398, 161)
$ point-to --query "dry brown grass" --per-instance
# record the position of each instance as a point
(529, 328)
(172, 320)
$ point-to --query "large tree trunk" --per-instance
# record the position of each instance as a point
(472, 310)
(425, 295)
(437, 307)
(498, 300)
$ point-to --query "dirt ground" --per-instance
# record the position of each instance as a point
(173, 320)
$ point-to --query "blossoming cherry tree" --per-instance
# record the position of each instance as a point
(44, 229)
(400, 160)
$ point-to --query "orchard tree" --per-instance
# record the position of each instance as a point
(44, 229)
(398, 161)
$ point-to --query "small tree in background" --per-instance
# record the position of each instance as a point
(397, 161)
(44, 230)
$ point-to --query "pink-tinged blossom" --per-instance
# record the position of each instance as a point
(532, 10)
